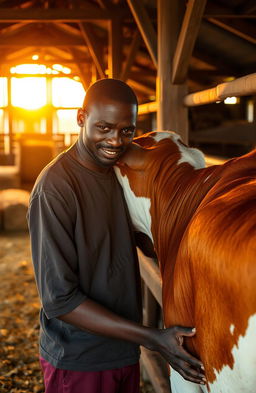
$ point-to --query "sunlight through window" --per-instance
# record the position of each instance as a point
(65, 121)
(67, 93)
(3, 92)
(28, 92)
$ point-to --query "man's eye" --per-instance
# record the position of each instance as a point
(103, 128)
(128, 132)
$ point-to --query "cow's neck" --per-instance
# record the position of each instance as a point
(171, 211)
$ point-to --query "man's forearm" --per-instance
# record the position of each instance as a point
(95, 318)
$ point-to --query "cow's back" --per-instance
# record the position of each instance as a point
(214, 280)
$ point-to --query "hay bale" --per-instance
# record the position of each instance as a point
(13, 208)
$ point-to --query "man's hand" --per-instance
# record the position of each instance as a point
(168, 342)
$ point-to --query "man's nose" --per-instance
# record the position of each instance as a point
(115, 138)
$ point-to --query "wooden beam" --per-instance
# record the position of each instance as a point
(43, 42)
(150, 312)
(59, 60)
(149, 107)
(114, 48)
(241, 30)
(187, 39)
(141, 87)
(32, 15)
(230, 16)
(104, 4)
(136, 41)
(248, 7)
(82, 74)
(93, 46)
(150, 273)
(244, 86)
(43, 36)
(171, 113)
(145, 27)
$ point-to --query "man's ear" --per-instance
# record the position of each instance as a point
(81, 115)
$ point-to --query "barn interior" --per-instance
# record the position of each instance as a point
(166, 50)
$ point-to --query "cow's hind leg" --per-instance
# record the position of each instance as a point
(180, 385)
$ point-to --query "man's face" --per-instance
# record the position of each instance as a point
(109, 128)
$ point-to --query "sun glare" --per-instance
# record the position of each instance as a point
(67, 93)
(29, 92)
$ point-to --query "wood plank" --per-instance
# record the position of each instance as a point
(32, 15)
(153, 364)
(186, 41)
(239, 87)
(114, 48)
(150, 273)
(136, 41)
(145, 27)
(93, 46)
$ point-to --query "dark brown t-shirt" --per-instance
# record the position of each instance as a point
(82, 246)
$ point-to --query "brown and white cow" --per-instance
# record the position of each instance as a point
(202, 222)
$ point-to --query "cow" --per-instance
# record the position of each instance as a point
(202, 223)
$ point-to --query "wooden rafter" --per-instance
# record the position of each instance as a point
(248, 7)
(238, 28)
(34, 36)
(93, 46)
(136, 41)
(82, 74)
(142, 87)
(8, 15)
(145, 27)
(104, 4)
(186, 40)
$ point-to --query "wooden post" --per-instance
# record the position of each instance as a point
(150, 306)
(49, 106)
(115, 48)
(171, 114)
(10, 116)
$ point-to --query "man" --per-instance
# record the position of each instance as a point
(85, 260)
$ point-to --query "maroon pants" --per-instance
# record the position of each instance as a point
(120, 380)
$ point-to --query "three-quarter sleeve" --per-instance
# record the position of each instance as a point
(54, 254)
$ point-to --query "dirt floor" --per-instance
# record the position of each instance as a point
(19, 328)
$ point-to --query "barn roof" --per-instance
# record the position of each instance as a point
(119, 38)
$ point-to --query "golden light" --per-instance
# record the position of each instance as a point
(57, 67)
(231, 100)
(67, 93)
(29, 69)
(28, 92)
(61, 68)
(3, 92)
(35, 57)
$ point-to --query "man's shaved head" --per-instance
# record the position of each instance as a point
(112, 89)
